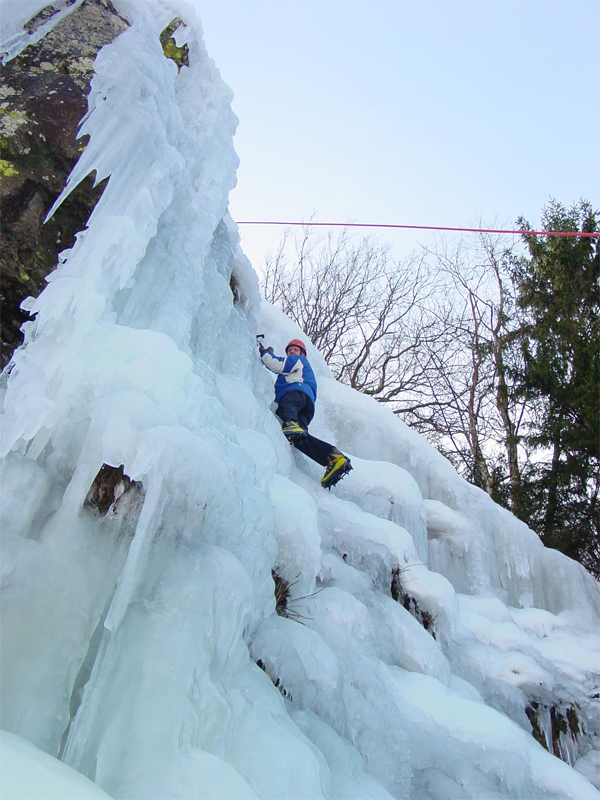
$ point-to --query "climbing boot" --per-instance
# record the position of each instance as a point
(291, 430)
(338, 465)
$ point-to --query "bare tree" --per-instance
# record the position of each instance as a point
(475, 414)
(365, 312)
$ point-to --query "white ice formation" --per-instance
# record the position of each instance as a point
(429, 634)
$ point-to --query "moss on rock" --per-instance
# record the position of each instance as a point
(180, 55)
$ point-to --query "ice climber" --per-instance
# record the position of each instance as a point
(295, 395)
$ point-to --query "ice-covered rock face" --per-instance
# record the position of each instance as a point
(43, 98)
(428, 642)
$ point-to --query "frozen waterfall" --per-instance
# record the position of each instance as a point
(430, 642)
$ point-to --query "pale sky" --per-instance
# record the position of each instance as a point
(443, 113)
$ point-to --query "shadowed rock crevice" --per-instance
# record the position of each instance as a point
(558, 728)
(275, 680)
(400, 595)
(109, 486)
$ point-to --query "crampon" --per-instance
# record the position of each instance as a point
(337, 466)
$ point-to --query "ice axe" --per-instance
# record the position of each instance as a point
(261, 349)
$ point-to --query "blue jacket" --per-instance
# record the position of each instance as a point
(293, 372)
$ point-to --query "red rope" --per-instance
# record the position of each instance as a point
(422, 228)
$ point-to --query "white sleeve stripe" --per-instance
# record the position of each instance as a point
(295, 375)
(272, 363)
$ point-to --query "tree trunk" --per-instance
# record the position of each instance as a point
(510, 433)
(552, 500)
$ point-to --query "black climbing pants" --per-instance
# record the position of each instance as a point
(297, 406)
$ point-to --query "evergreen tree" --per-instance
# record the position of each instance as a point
(559, 292)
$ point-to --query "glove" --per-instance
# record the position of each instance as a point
(262, 349)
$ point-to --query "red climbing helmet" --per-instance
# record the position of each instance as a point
(297, 343)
